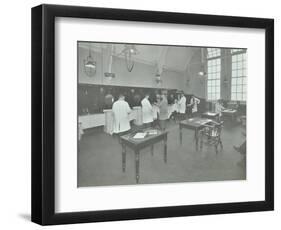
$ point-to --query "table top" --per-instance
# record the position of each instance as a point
(130, 137)
(195, 122)
(229, 111)
(210, 114)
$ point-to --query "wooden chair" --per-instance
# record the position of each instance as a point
(211, 135)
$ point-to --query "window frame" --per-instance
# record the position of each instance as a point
(239, 77)
(217, 76)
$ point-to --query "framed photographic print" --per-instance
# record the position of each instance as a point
(142, 114)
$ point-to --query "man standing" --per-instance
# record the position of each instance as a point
(121, 111)
(163, 111)
(194, 101)
(147, 112)
(182, 106)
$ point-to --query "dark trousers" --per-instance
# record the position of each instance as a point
(182, 116)
(195, 114)
(147, 125)
(163, 124)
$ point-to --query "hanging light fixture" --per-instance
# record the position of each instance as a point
(90, 65)
(108, 62)
(202, 72)
(129, 51)
(158, 80)
(158, 74)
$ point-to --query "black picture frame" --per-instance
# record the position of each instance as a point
(43, 113)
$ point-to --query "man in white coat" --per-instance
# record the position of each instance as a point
(121, 111)
(147, 111)
(182, 106)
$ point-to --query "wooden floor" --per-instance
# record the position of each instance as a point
(100, 160)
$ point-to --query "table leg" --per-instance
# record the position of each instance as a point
(196, 139)
(137, 155)
(180, 135)
(123, 157)
(152, 149)
(165, 149)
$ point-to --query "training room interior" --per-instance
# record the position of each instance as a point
(185, 153)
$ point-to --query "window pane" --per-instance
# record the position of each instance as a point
(239, 88)
(239, 65)
(239, 72)
(239, 81)
(239, 96)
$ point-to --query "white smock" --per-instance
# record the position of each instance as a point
(147, 112)
(121, 121)
(182, 104)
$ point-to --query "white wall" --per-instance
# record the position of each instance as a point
(15, 115)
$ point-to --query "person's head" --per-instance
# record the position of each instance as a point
(121, 96)
(146, 95)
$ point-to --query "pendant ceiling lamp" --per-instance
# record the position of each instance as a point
(90, 65)
(129, 51)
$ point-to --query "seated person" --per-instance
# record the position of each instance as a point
(219, 107)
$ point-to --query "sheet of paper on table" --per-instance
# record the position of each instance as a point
(152, 132)
(229, 110)
(139, 136)
(201, 122)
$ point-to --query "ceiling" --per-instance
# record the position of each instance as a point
(175, 58)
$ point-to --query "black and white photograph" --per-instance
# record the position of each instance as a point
(160, 113)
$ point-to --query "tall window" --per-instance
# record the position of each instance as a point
(214, 73)
(239, 75)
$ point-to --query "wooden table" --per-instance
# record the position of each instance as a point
(230, 113)
(138, 144)
(211, 115)
(195, 124)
